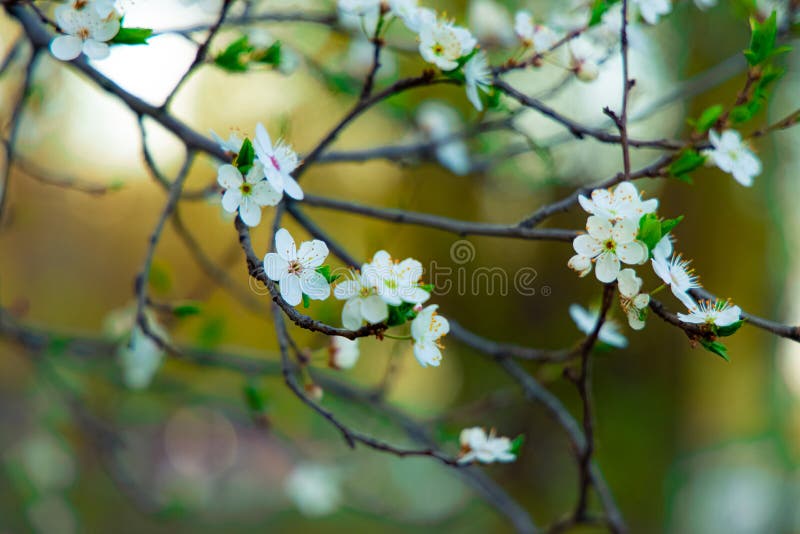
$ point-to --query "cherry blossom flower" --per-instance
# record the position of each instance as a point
(104, 8)
(633, 302)
(719, 313)
(279, 162)
(491, 23)
(413, 16)
(477, 76)
(675, 273)
(443, 44)
(426, 329)
(586, 321)
(314, 489)
(609, 244)
(476, 444)
(363, 302)
(395, 282)
(343, 352)
(532, 35)
(232, 145)
(624, 202)
(140, 358)
(439, 123)
(584, 56)
(85, 31)
(295, 270)
(733, 156)
(651, 10)
(248, 194)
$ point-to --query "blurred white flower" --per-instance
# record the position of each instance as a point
(439, 122)
(476, 444)
(314, 489)
(651, 10)
(532, 35)
(443, 44)
(733, 156)
(586, 321)
(232, 145)
(360, 57)
(477, 76)
(584, 57)
(140, 357)
(705, 4)
(491, 23)
(343, 352)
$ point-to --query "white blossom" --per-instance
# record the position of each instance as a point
(624, 202)
(490, 22)
(246, 194)
(443, 44)
(84, 31)
(413, 16)
(532, 35)
(719, 313)
(232, 145)
(426, 329)
(140, 358)
(634, 302)
(314, 489)
(733, 156)
(476, 444)
(477, 76)
(586, 321)
(295, 270)
(584, 57)
(363, 302)
(651, 10)
(279, 162)
(608, 244)
(676, 273)
(343, 352)
(440, 122)
(395, 282)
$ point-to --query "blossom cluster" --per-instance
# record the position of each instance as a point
(624, 229)
(86, 26)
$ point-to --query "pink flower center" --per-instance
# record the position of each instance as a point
(275, 163)
(295, 267)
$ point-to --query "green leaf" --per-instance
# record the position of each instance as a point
(725, 331)
(762, 40)
(717, 348)
(516, 444)
(132, 36)
(254, 398)
(688, 161)
(599, 8)
(668, 224)
(306, 301)
(233, 57)
(325, 270)
(211, 332)
(160, 280)
(427, 287)
(708, 118)
(246, 157)
(186, 310)
(400, 314)
(650, 230)
(270, 56)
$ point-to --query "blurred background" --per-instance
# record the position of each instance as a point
(688, 442)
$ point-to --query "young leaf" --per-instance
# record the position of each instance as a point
(599, 8)
(686, 163)
(708, 118)
(668, 224)
(255, 400)
(725, 331)
(762, 40)
(717, 348)
(232, 58)
(247, 154)
(132, 36)
(325, 270)
(649, 230)
(270, 56)
(306, 301)
(186, 310)
(516, 444)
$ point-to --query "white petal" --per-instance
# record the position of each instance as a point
(290, 289)
(106, 31)
(625, 231)
(312, 253)
(374, 309)
(607, 267)
(598, 227)
(610, 336)
(249, 212)
(95, 49)
(263, 194)
(66, 47)
(314, 285)
(292, 188)
(347, 289)
(633, 253)
(263, 142)
(229, 177)
(284, 245)
(628, 283)
(351, 314)
(414, 295)
(275, 267)
(409, 271)
(231, 200)
(684, 297)
(586, 245)
(427, 354)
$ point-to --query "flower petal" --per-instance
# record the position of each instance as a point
(625, 231)
(586, 245)
(607, 267)
(231, 200)
(249, 212)
(96, 49)
(427, 354)
(312, 253)
(374, 309)
(264, 194)
(314, 285)
(599, 227)
(347, 289)
(229, 177)
(292, 188)
(66, 47)
(290, 289)
(275, 267)
(351, 314)
(284, 245)
(633, 253)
